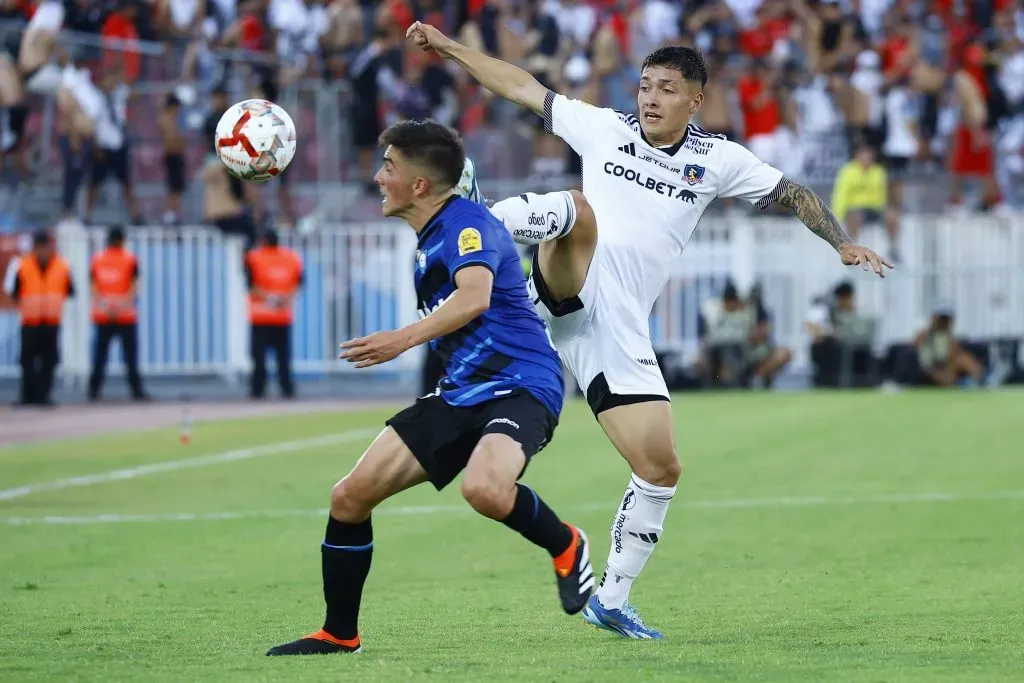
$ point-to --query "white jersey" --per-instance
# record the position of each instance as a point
(647, 200)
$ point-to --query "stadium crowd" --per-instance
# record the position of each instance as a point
(859, 95)
(925, 84)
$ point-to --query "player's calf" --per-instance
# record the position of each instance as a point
(490, 487)
(386, 468)
(643, 434)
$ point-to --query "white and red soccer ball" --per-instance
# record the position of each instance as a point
(256, 140)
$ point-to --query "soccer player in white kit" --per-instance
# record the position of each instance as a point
(605, 255)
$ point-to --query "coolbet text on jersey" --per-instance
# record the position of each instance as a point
(505, 349)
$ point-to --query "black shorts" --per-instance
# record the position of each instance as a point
(174, 166)
(242, 225)
(868, 215)
(110, 161)
(366, 128)
(442, 437)
(896, 167)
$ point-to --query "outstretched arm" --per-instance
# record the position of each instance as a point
(819, 219)
(503, 79)
(812, 211)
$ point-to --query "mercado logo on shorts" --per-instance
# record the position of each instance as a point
(469, 241)
(649, 183)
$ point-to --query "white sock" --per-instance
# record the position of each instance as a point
(635, 531)
(534, 218)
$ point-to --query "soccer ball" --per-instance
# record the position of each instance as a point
(256, 140)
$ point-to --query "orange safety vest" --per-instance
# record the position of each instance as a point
(41, 294)
(113, 273)
(276, 271)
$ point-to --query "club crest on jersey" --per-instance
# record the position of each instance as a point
(693, 174)
(421, 261)
(469, 241)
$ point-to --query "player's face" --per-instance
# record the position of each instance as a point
(396, 182)
(665, 103)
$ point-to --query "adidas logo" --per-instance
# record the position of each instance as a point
(646, 538)
(629, 149)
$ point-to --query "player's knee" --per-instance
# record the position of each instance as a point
(349, 502)
(485, 486)
(582, 205)
(486, 497)
(584, 212)
(661, 468)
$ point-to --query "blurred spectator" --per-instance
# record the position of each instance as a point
(120, 27)
(111, 149)
(232, 205)
(766, 357)
(174, 157)
(299, 26)
(867, 79)
(79, 106)
(841, 341)
(859, 195)
(369, 76)
(736, 345)
(12, 104)
(972, 152)
(344, 27)
(716, 114)
(762, 114)
(900, 147)
(37, 46)
(941, 360)
(1010, 152)
(427, 91)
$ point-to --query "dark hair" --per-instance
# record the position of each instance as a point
(730, 293)
(271, 238)
(844, 288)
(686, 60)
(115, 236)
(435, 146)
(41, 238)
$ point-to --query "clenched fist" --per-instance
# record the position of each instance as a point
(427, 37)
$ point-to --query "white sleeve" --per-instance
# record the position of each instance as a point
(575, 121)
(744, 176)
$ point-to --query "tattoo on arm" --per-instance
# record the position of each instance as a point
(810, 209)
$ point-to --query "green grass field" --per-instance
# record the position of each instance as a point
(815, 537)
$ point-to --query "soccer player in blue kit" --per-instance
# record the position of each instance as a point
(496, 407)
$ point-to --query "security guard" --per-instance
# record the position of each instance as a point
(114, 275)
(41, 286)
(274, 275)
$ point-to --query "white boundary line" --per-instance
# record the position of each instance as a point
(187, 463)
(420, 510)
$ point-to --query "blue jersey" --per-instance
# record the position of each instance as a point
(505, 349)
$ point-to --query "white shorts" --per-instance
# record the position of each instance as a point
(603, 336)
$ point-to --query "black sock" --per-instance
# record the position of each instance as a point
(537, 522)
(345, 559)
